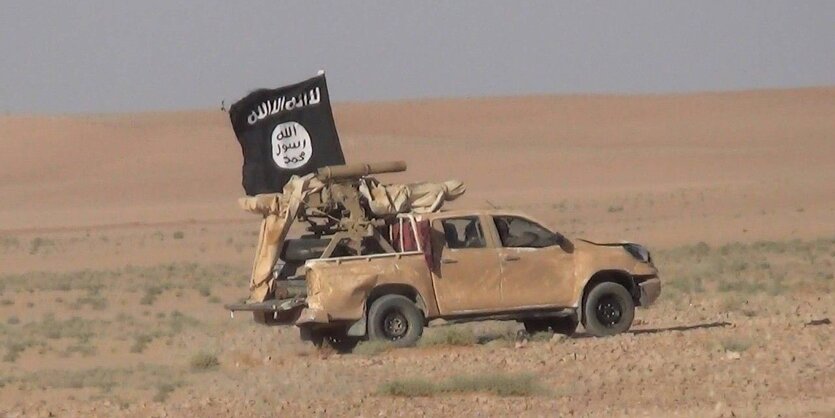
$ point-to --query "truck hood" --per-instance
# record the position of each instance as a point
(606, 244)
(637, 251)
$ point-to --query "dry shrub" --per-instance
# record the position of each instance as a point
(737, 345)
(449, 336)
(372, 348)
(495, 384)
(203, 361)
(163, 390)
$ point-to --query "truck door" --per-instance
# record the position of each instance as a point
(468, 275)
(536, 271)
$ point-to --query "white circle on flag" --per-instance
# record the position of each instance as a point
(291, 145)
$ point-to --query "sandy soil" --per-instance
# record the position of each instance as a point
(120, 239)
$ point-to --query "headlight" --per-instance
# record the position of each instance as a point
(638, 251)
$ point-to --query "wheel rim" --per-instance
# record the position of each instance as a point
(395, 325)
(609, 311)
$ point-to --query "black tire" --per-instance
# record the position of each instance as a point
(608, 310)
(395, 318)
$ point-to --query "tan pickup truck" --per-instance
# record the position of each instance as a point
(462, 266)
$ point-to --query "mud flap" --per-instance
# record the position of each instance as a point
(359, 328)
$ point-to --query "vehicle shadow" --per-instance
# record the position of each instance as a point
(718, 324)
(708, 325)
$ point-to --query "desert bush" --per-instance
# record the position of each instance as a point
(7, 242)
(731, 303)
(13, 350)
(735, 344)
(373, 347)
(85, 350)
(132, 278)
(203, 360)
(450, 335)
(163, 390)
(101, 378)
(52, 328)
(177, 321)
(150, 295)
(39, 244)
(179, 235)
(741, 285)
(204, 289)
(409, 388)
(96, 302)
(542, 336)
(495, 384)
(140, 342)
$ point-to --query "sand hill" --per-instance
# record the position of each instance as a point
(726, 161)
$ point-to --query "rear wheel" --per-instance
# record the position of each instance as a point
(608, 310)
(395, 318)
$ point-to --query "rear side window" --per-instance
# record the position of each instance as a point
(464, 232)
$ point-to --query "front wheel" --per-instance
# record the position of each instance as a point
(396, 319)
(608, 310)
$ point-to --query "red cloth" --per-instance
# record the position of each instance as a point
(409, 240)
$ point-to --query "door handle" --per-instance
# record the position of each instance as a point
(449, 260)
(511, 258)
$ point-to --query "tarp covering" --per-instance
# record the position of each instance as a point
(279, 210)
(390, 199)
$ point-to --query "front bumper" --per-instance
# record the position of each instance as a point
(650, 290)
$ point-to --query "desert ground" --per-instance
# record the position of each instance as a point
(120, 240)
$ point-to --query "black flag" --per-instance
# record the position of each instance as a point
(285, 131)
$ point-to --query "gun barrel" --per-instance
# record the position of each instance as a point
(336, 172)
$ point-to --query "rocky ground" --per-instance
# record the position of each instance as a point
(741, 330)
(120, 240)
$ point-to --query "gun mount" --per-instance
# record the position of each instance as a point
(343, 206)
(340, 210)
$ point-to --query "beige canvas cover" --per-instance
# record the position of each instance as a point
(278, 210)
(390, 199)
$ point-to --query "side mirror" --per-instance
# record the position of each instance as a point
(564, 243)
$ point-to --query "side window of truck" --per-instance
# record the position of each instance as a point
(516, 232)
(464, 232)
